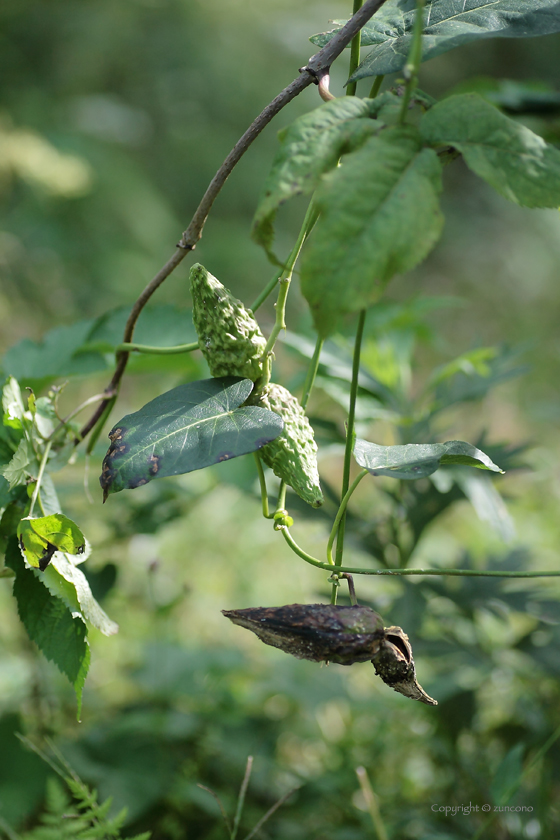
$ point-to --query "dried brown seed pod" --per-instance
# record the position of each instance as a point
(394, 663)
(345, 635)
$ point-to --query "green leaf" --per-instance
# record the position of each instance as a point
(508, 776)
(54, 356)
(41, 537)
(63, 579)
(448, 24)
(517, 163)
(59, 636)
(380, 215)
(163, 325)
(186, 429)
(309, 147)
(487, 502)
(22, 465)
(418, 460)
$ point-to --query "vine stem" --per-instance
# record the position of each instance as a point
(42, 466)
(157, 351)
(317, 66)
(350, 432)
(285, 277)
(262, 484)
(414, 59)
(311, 372)
(408, 572)
(354, 53)
(341, 512)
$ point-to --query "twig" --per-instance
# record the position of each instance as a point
(270, 812)
(317, 66)
(241, 799)
(371, 803)
(219, 801)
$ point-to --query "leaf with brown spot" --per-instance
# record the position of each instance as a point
(186, 429)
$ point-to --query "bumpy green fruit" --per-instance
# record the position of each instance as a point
(228, 334)
(293, 455)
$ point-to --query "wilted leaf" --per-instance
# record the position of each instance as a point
(448, 24)
(517, 163)
(418, 460)
(380, 215)
(186, 429)
(60, 637)
(309, 147)
(40, 538)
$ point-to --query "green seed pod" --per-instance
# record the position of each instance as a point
(293, 455)
(228, 335)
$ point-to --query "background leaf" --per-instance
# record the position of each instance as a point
(418, 460)
(58, 635)
(379, 215)
(186, 429)
(448, 24)
(516, 162)
(309, 147)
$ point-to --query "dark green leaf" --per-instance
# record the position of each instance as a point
(508, 776)
(379, 215)
(309, 147)
(517, 163)
(60, 637)
(162, 326)
(448, 24)
(186, 429)
(418, 460)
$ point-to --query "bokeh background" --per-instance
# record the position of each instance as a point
(113, 118)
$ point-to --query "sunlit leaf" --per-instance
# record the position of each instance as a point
(516, 162)
(186, 429)
(40, 538)
(63, 579)
(380, 215)
(448, 24)
(418, 460)
(12, 403)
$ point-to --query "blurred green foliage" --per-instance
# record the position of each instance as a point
(113, 118)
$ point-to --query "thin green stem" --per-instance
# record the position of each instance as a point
(262, 482)
(42, 466)
(157, 351)
(285, 277)
(341, 512)
(354, 52)
(414, 59)
(268, 289)
(409, 572)
(350, 431)
(306, 228)
(375, 86)
(311, 373)
(98, 428)
(281, 503)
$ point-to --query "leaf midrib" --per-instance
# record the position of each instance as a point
(138, 451)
